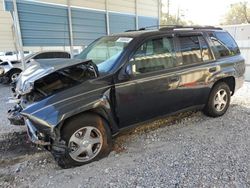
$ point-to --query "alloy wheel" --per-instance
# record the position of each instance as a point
(14, 76)
(85, 144)
(220, 100)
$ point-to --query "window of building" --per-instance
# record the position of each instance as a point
(154, 55)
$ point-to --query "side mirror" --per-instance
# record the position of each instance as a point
(127, 73)
(129, 70)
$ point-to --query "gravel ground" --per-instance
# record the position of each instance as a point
(185, 150)
(5, 126)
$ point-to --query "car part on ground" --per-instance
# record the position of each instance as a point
(131, 78)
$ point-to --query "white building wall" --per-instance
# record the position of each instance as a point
(241, 33)
(6, 34)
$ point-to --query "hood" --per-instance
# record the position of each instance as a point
(41, 68)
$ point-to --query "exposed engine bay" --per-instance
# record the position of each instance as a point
(47, 85)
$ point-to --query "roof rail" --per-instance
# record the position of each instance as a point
(180, 27)
(145, 28)
(131, 30)
(175, 27)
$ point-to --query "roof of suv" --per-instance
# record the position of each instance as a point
(143, 32)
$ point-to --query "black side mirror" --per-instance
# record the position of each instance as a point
(127, 73)
(128, 70)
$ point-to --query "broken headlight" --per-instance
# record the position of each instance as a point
(1, 71)
(27, 88)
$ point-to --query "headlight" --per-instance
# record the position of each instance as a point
(27, 88)
(1, 71)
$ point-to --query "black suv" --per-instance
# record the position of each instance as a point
(74, 106)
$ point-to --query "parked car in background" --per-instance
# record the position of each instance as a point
(10, 70)
(12, 56)
(73, 107)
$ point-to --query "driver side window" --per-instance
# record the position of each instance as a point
(154, 55)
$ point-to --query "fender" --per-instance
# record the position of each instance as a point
(224, 70)
(52, 114)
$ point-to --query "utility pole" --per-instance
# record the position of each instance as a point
(168, 7)
(178, 16)
(18, 33)
(71, 39)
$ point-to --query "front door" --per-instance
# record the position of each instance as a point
(152, 91)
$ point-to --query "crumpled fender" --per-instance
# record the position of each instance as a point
(51, 113)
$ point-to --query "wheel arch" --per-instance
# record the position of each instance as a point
(13, 70)
(100, 111)
(229, 80)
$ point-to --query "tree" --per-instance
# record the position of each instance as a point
(174, 20)
(238, 13)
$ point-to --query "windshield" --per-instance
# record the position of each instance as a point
(105, 51)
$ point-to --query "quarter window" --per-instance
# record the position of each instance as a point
(154, 55)
(224, 44)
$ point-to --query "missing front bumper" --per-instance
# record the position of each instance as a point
(35, 136)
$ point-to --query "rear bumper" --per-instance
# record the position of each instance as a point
(239, 81)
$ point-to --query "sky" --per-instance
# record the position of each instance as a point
(202, 12)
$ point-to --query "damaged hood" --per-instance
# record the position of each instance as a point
(41, 68)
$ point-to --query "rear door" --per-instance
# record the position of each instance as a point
(196, 65)
(152, 90)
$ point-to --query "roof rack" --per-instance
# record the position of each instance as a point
(131, 30)
(181, 27)
(175, 27)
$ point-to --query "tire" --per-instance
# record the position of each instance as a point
(74, 134)
(218, 101)
(13, 75)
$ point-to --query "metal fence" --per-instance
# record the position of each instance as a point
(241, 34)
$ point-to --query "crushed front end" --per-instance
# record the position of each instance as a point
(35, 85)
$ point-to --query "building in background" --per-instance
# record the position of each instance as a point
(50, 24)
(7, 41)
(241, 34)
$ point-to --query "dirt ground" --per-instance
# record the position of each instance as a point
(184, 150)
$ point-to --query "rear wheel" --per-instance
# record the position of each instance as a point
(87, 139)
(218, 101)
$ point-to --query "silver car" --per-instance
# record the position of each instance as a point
(10, 70)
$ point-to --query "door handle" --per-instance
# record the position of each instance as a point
(213, 69)
(174, 79)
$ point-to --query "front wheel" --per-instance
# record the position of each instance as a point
(87, 139)
(218, 101)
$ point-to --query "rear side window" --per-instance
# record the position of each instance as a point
(61, 55)
(224, 44)
(9, 53)
(194, 49)
(48, 55)
(206, 54)
(154, 55)
(190, 49)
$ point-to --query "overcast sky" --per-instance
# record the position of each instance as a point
(209, 12)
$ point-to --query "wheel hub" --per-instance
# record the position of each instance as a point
(220, 100)
(85, 144)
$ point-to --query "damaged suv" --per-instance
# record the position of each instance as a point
(73, 107)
